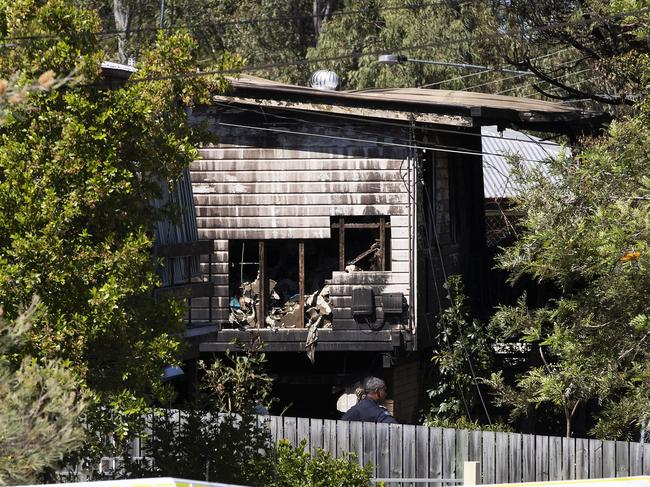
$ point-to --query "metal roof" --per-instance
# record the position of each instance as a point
(117, 70)
(497, 180)
(460, 107)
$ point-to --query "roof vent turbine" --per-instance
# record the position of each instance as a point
(324, 79)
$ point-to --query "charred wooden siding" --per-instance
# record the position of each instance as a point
(269, 185)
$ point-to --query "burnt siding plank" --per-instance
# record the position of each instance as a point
(299, 211)
(298, 187)
(307, 174)
(271, 198)
(367, 278)
(266, 233)
(253, 222)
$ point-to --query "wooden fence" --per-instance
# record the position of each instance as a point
(406, 451)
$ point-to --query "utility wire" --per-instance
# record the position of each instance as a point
(427, 197)
(456, 78)
(304, 62)
(532, 83)
(413, 166)
(558, 89)
(470, 88)
(411, 139)
(375, 122)
(249, 21)
(455, 150)
(354, 55)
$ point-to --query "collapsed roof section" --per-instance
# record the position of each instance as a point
(446, 107)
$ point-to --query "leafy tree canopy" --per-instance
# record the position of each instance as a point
(587, 231)
(78, 169)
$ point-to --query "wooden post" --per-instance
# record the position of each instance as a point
(382, 244)
(261, 312)
(341, 243)
(471, 473)
(301, 280)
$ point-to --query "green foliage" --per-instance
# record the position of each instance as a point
(236, 26)
(79, 167)
(204, 444)
(463, 423)
(219, 436)
(239, 383)
(295, 467)
(586, 230)
(40, 406)
(604, 46)
(440, 32)
(459, 339)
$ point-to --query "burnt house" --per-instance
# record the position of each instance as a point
(333, 221)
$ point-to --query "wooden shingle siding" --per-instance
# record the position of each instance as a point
(261, 186)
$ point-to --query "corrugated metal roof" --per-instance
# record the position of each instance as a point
(497, 181)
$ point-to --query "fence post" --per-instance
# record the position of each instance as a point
(471, 473)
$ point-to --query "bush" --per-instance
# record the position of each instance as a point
(200, 445)
(297, 468)
(219, 437)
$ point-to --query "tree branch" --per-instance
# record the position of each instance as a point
(572, 91)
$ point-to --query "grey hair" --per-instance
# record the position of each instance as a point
(372, 384)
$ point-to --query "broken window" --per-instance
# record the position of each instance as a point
(363, 242)
(267, 286)
(284, 283)
(243, 282)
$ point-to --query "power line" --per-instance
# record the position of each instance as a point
(454, 150)
(558, 89)
(303, 62)
(456, 78)
(376, 122)
(469, 88)
(428, 85)
(532, 83)
(249, 21)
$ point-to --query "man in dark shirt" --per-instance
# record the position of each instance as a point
(370, 407)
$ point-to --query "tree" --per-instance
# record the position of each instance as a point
(607, 43)
(78, 169)
(435, 32)
(586, 230)
(40, 406)
(261, 32)
(461, 356)
(218, 436)
(297, 468)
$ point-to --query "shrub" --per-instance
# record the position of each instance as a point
(295, 467)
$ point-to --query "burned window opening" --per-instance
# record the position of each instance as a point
(267, 286)
(364, 243)
(285, 283)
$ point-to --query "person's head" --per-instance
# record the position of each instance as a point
(375, 389)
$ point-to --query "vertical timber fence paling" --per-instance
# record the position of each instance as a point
(446, 456)
(420, 455)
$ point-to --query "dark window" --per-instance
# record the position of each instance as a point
(363, 241)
